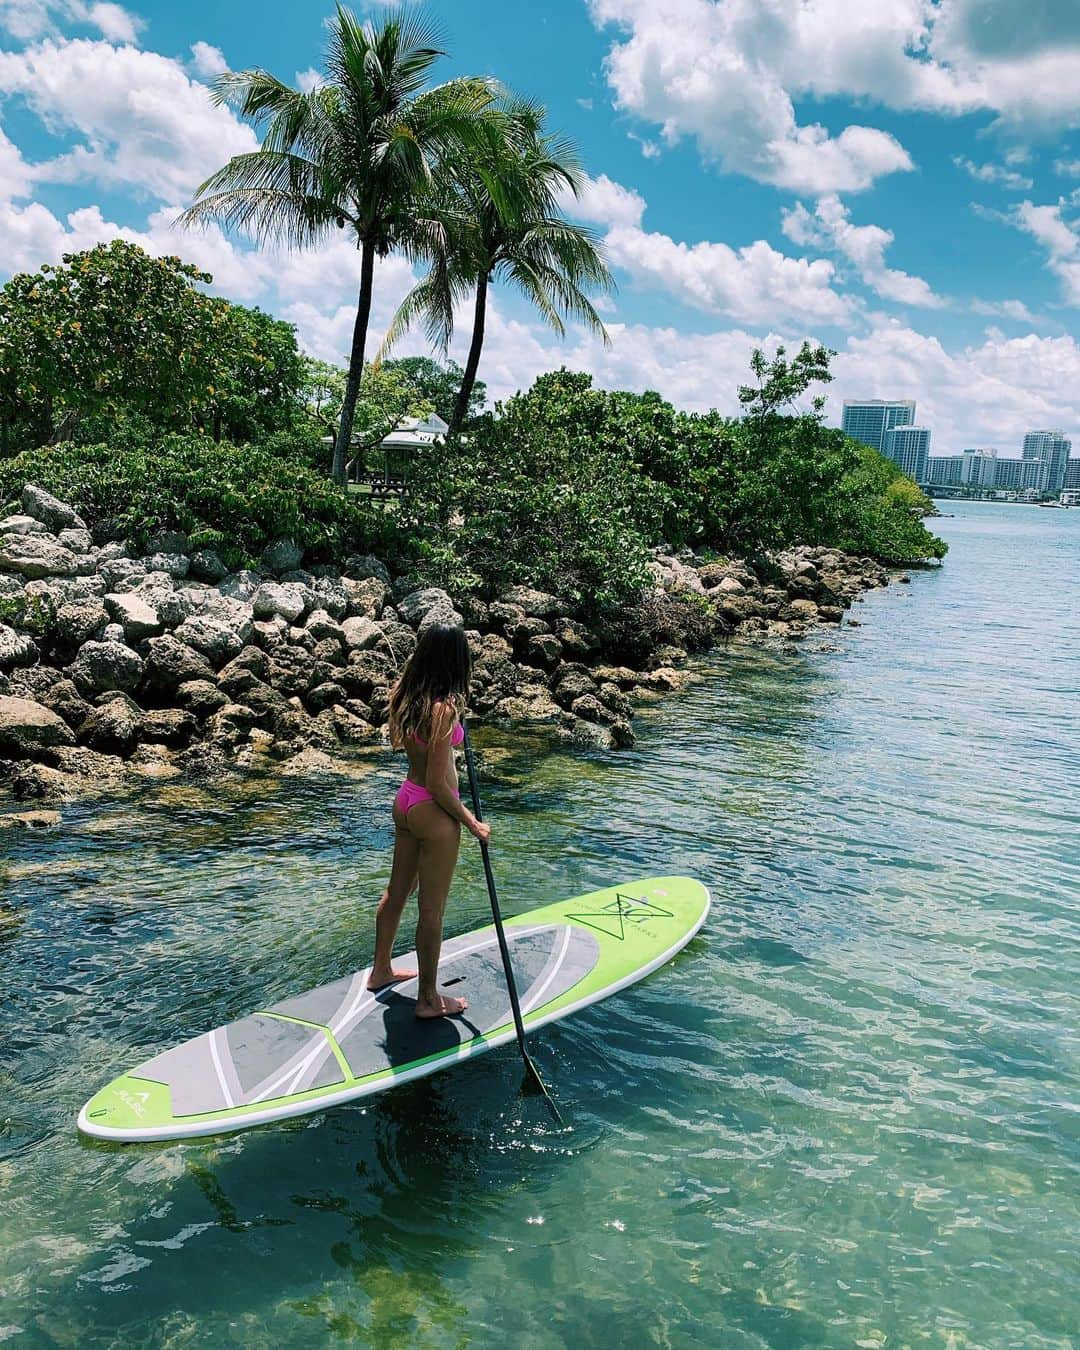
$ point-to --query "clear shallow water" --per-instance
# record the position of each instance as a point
(845, 1115)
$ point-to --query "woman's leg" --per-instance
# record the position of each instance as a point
(440, 837)
(403, 875)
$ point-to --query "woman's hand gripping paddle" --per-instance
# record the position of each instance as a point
(533, 1081)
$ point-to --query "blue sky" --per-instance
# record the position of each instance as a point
(899, 179)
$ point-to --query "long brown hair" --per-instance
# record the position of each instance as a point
(439, 670)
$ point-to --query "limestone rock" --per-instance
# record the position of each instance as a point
(281, 555)
(16, 649)
(22, 525)
(206, 565)
(240, 586)
(200, 698)
(216, 640)
(63, 698)
(27, 728)
(79, 541)
(52, 512)
(169, 726)
(175, 564)
(36, 555)
(331, 597)
(285, 598)
(361, 565)
(320, 625)
(41, 782)
(360, 633)
(106, 665)
(366, 598)
(171, 663)
(138, 618)
(113, 728)
(427, 606)
(534, 604)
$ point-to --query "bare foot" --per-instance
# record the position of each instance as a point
(379, 979)
(442, 1005)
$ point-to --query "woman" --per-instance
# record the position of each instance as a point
(425, 709)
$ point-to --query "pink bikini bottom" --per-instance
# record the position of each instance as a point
(410, 794)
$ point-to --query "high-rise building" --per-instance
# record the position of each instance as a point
(1072, 473)
(909, 448)
(1051, 449)
(977, 467)
(1018, 474)
(946, 470)
(869, 419)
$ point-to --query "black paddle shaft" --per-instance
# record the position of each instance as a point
(500, 932)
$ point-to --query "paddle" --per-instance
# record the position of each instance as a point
(533, 1081)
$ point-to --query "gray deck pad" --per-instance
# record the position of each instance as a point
(284, 1049)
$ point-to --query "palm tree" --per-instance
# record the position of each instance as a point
(358, 152)
(497, 217)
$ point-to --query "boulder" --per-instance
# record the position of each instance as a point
(331, 596)
(41, 782)
(361, 565)
(169, 726)
(217, 641)
(22, 525)
(121, 574)
(154, 761)
(63, 698)
(320, 625)
(572, 685)
(534, 604)
(169, 541)
(503, 617)
(575, 637)
(281, 555)
(240, 586)
(36, 555)
(589, 708)
(27, 728)
(360, 633)
(200, 698)
(30, 820)
(100, 666)
(137, 617)
(171, 663)
(730, 586)
(175, 564)
(430, 605)
(16, 649)
(52, 512)
(543, 649)
(79, 541)
(206, 565)
(366, 598)
(172, 606)
(531, 703)
(113, 728)
(285, 598)
(32, 682)
(92, 766)
(803, 611)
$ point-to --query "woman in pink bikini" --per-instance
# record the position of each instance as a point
(426, 705)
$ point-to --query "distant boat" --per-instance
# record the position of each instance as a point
(1056, 505)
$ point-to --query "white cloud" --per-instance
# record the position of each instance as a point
(755, 284)
(830, 228)
(728, 75)
(15, 173)
(309, 79)
(605, 202)
(1067, 168)
(30, 19)
(701, 70)
(145, 124)
(208, 61)
(1005, 309)
(994, 173)
(1059, 238)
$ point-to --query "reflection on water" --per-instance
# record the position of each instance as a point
(845, 1114)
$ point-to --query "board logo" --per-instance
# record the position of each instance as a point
(624, 910)
(134, 1101)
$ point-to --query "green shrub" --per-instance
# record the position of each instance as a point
(232, 498)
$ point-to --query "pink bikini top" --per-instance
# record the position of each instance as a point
(456, 736)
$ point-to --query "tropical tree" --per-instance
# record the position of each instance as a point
(498, 218)
(439, 383)
(359, 152)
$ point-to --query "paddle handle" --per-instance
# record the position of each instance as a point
(500, 932)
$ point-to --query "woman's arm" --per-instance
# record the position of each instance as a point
(436, 778)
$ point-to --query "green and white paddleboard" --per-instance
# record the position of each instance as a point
(340, 1041)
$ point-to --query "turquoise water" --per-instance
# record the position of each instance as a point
(845, 1115)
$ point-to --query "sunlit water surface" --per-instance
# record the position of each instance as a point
(844, 1115)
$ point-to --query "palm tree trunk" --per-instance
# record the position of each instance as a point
(356, 362)
(461, 407)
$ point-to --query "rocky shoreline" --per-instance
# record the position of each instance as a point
(117, 668)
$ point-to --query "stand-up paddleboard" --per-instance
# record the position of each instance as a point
(340, 1041)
